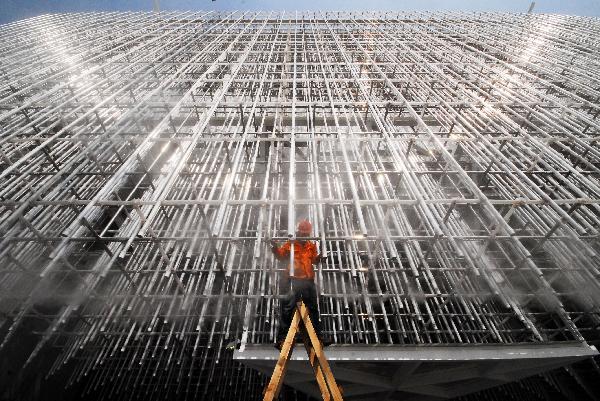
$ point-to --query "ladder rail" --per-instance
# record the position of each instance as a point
(318, 350)
(274, 386)
(312, 358)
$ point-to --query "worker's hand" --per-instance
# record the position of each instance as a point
(274, 246)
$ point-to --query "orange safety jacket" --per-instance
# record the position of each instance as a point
(305, 255)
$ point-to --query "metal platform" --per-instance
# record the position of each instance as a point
(418, 372)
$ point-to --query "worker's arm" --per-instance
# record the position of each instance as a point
(316, 256)
(281, 252)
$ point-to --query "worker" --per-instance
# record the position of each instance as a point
(301, 279)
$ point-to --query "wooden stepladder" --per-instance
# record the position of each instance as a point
(301, 323)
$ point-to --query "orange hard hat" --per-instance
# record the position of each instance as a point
(305, 227)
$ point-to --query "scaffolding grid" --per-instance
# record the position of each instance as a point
(449, 163)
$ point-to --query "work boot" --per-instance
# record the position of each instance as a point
(325, 341)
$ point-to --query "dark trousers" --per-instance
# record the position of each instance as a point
(306, 291)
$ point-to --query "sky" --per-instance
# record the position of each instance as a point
(13, 10)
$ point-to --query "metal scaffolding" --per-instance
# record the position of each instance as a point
(449, 163)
